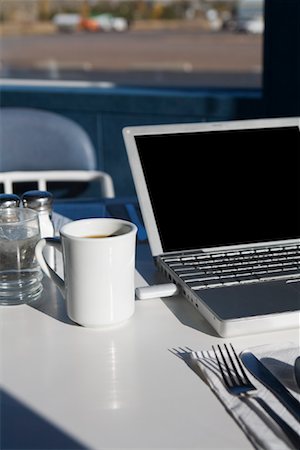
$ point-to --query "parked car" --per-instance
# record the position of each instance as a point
(104, 22)
(67, 22)
(254, 25)
(249, 16)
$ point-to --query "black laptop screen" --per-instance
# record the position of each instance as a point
(224, 187)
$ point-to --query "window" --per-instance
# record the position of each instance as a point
(159, 43)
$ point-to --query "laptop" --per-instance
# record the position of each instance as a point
(220, 202)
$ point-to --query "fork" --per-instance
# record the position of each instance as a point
(237, 383)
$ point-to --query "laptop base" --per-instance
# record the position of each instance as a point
(258, 308)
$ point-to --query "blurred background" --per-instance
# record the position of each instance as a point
(134, 42)
(108, 64)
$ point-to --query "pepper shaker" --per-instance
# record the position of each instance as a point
(41, 201)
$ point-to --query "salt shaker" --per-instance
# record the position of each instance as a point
(41, 201)
(9, 201)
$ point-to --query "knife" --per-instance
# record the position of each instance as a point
(297, 371)
(262, 374)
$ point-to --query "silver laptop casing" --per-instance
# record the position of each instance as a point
(279, 289)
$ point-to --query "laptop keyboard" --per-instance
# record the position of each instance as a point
(203, 270)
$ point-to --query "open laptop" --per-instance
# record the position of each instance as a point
(220, 203)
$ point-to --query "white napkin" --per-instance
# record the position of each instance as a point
(58, 221)
(262, 431)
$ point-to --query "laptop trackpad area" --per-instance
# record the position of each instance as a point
(252, 300)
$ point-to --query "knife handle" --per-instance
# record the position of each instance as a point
(291, 434)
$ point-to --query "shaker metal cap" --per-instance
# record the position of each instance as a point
(9, 201)
(38, 200)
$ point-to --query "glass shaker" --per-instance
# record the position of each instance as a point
(42, 201)
(9, 201)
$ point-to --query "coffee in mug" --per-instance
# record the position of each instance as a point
(97, 236)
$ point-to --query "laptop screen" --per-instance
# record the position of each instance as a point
(215, 188)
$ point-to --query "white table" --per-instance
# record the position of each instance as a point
(65, 386)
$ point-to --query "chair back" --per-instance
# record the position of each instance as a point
(51, 151)
(32, 140)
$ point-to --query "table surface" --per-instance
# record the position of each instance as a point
(69, 387)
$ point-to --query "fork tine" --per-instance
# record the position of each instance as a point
(221, 368)
(229, 372)
(240, 366)
(236, 372)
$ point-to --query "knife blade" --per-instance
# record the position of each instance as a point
(262, 374)
(297, 371)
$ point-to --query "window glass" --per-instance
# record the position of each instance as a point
(161, 43)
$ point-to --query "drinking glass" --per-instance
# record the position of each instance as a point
(20, 274)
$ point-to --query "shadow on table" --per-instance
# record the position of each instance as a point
(52, 303)
(188, 315)
(178, 304)
(283, 371)
(23, 429)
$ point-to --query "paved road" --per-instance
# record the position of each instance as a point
(158, 57)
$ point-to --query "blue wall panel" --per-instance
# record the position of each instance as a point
(103, 113)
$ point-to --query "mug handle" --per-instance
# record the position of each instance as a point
(55, 243)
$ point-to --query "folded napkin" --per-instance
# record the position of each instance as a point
(261, 430)
(58, 221)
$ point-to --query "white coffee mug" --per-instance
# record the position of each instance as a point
(99, 264)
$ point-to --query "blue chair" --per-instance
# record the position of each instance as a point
(44, 147)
